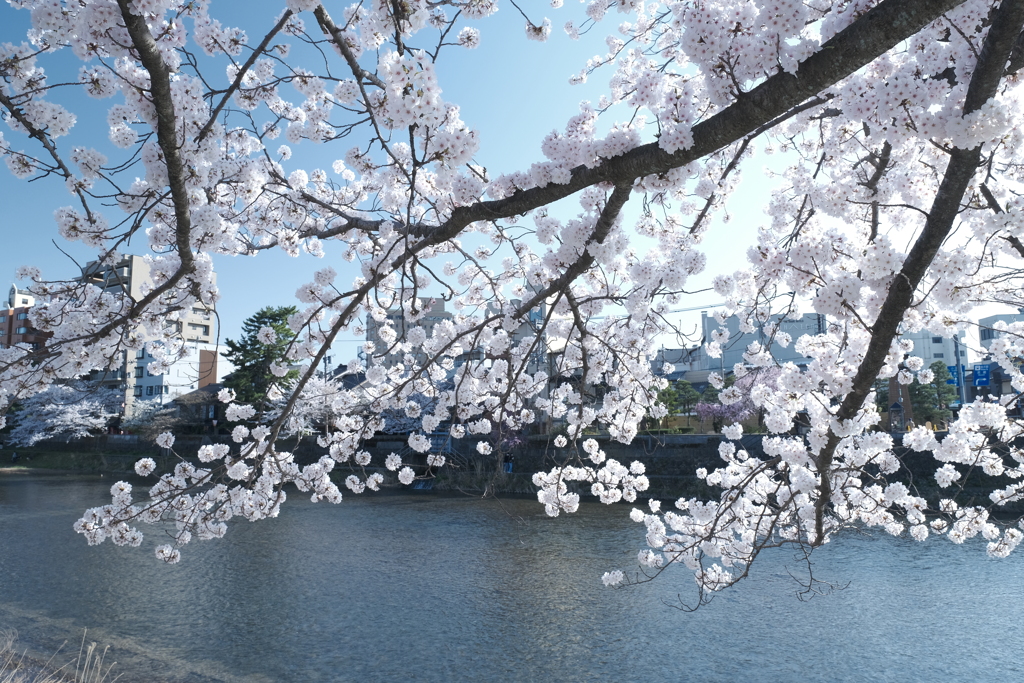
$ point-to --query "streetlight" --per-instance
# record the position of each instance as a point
(327, 417)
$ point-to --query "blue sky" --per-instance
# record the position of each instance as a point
(514, 91)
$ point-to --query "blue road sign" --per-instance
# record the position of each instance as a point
(982, 375)
(955, 381)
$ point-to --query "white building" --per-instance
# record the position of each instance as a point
(197, 329)
(196, 370)
(734, 348)
(931, 348)
(986, 333)
(438, 315)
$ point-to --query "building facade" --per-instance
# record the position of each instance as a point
(930, 347)
(734, 348)
(15, 327)
(986, 326)
(197, 328)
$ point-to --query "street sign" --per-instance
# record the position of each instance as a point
(955, 381)
(982, 375)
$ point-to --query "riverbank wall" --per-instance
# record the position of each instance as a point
(670, 461)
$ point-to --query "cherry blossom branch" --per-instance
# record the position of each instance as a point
(47, 144)
(167, 137)
(338, 36)
(961, 168)
(872, 34)
(240, 76)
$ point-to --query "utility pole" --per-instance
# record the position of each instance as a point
(959, 370)
(327, 417)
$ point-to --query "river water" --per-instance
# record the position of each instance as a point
(430, 588)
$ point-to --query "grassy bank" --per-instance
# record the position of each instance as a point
(88, 665)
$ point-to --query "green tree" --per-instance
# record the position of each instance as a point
(882, 394)
(931, 401)
(687, 398)
(252, 357)
(710, 393)
(679, 397)
(670, 397)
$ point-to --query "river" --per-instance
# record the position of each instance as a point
(431, 588)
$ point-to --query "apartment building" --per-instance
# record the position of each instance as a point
(436, 315)
(736, 345)
(931, 347)
(14, 325)
(197, 328)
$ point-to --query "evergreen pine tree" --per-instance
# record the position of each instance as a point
(252, 358)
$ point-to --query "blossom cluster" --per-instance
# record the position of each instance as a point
(555, 289)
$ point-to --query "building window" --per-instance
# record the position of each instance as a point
(141, 353)
(167, 389)
(939, 355)
(138, 391)
(3, 318)
(21, 330)
(24, 302)
(149, 391)
(138, 371)
(963, 353)
(987, 334)
(201, 329)
(936, 340)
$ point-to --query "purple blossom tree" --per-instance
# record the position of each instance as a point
(720, 415)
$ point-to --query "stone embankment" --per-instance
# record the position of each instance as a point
(671, 462)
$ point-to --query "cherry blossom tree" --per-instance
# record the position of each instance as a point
(900, 211)
(64, 411)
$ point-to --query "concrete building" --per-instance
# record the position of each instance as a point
(437, 315)
(931, 347)
(396, 319)
(734, 348)
(986, 333)
(197, 328)
(14, 325)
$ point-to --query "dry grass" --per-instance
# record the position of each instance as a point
(88, 666)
